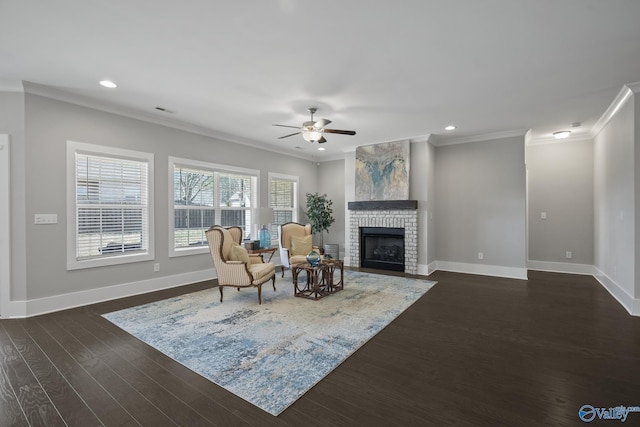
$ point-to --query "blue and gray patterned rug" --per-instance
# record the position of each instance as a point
(263, 353)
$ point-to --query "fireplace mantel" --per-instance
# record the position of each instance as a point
(379, 205)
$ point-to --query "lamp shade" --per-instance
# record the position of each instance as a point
(265, 216)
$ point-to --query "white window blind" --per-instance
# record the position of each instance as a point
(110, 206)
(207, 194)
(194, 210)
(283, 194)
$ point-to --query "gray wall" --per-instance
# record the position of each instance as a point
(48, 125)
(615, 199)
(481, 203)
(560, 183)
(331, 182)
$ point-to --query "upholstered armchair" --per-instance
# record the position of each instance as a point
(235, 267)
(294, 242)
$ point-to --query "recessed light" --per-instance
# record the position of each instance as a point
(450, 127)
(108, 83)
(561, 134)
(320, 148)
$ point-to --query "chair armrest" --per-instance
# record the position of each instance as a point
(255, 259)
(284, 256)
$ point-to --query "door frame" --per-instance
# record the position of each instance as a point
(5, 226)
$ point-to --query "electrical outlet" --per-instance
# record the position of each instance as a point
(569, 255)
(480, 255)
(543, 215)
(156, 266)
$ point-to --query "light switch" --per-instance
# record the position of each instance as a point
(543, 215)
(44, 219)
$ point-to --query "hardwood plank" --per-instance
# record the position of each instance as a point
(89, 356)
(70, 407)
(105, 407)
(473, 351)
(36, 405)
(9, 406)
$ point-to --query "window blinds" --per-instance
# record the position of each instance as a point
(111, 206)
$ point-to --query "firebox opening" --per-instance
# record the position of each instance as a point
(382, 248)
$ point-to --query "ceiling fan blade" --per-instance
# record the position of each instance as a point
(322, 140)
(321, 123)
(287, 136)
(287, 126)
(341, 132)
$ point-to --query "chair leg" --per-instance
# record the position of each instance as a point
(220, 287)
(274, 282)
(283, 271)
(260, 294)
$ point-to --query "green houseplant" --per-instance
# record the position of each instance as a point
(320, 214)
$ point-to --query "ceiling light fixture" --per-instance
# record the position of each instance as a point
(561, 134)
(108, 83)
(450, 127)
(320, 148)
(312, 135)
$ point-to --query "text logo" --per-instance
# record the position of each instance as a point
(588, 413)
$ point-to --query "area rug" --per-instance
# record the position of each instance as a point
(270, 354)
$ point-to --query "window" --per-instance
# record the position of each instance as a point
(283, 198)
(109, 206)
(206, 194)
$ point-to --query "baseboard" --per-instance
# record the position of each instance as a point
(427, 269)
(630, 304)
(18, 309)
(482, 269)
(561, 267)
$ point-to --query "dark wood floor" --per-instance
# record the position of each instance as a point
(473, 351)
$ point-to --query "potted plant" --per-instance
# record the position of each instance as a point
(320, 214)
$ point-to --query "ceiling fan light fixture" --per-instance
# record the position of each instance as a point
(312, 135)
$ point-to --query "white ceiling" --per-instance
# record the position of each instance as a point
(390, 70)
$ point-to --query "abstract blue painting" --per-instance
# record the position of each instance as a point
(382, 171)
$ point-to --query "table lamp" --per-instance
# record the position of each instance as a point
(265, 217)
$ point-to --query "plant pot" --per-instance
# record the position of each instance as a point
(332, 249)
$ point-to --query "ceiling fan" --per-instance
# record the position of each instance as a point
(312, 131)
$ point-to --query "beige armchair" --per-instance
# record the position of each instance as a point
(235, 267)
(294, 242)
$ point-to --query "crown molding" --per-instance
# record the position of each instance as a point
(623, 96)
(439, 141)
(83, 101)
(551, 140)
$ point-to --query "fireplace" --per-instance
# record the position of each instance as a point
(382, 248)
(386, 215)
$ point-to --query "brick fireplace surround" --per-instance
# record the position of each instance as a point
(387, 213)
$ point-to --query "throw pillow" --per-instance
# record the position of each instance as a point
(301, 245)
(238, 253)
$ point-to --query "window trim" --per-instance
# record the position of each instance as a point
(295, 210)
(74, 147)
(209, 166)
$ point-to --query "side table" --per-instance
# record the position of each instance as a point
(329, 280)
(315, 286)
(264, 251)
